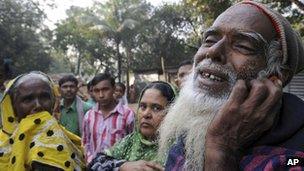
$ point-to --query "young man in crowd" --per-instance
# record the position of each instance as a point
(72, 108)
(231, 113)
(108, 121)
(184, 69)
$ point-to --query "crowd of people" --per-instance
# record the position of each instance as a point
(226, 112)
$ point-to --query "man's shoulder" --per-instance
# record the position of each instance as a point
(288, 128)
(291, 97)
(124, 109)
(127, 108)
(292, 103)
(89, 113)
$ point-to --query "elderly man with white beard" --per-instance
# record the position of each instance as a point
(231, 113)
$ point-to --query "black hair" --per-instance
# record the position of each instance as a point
(121, 85)
(165, 88)
(67, 78)
(185, 62)
(101, 77)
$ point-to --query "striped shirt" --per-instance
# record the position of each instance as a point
(100, 133)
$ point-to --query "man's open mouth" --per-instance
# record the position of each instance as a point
(213, 75)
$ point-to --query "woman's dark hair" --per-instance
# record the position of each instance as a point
(101, 77)
(165, 88)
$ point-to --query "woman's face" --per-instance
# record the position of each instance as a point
(151, 112)
(32, 96)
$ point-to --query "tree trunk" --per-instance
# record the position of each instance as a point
(163, 68)
(119, 61)
(78, 64)
(128, 72)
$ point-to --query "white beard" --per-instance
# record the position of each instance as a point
(190, 117)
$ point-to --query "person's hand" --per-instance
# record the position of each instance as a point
(249, 111)
(141, 165)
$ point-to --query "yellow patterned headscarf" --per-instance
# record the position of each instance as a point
(9, 121)
(37, 138)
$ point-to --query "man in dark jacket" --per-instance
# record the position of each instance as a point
(231, 113)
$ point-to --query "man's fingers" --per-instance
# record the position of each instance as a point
(155, 166)
(228, 111)
(275, 89)
(258, 94)
(238, 93)
(147, 168)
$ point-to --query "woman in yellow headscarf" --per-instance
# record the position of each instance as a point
(32, 139)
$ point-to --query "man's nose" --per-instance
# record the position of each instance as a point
(101, 94)
(217, 52)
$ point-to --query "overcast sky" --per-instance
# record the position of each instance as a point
(58, 13)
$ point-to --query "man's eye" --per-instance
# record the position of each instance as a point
(245, 49)
(27, 99)
(96, 90)
(209, 41)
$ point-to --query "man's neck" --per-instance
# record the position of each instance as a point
(107, 109)
(68, 102)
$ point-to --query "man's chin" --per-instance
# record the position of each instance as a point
(103, 104)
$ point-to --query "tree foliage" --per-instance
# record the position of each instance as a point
(120, 21)
(23, 38)
(92, 49)
(164, 35)
(292, 9)
(210, 9)
(117, 36)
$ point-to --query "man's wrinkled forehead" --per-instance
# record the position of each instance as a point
(246, 18)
